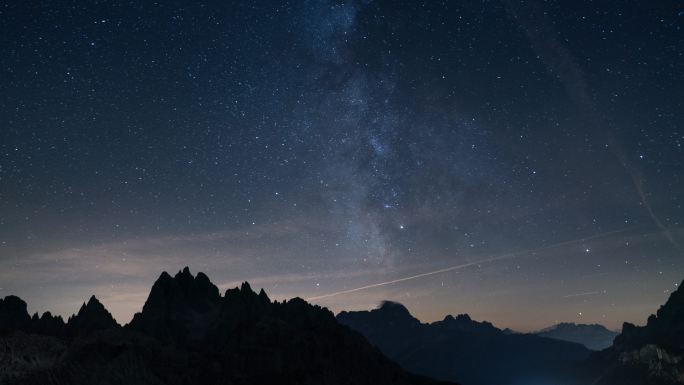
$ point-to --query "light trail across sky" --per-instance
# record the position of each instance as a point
(468, 264)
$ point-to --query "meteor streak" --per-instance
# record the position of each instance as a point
(465, 265)
(582, 294)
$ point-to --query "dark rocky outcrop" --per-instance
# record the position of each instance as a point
(47, 324)
(178, 308)
(90, 318)
(460, 349)
(652, 354)
(187, 333)
(664, 329)
(13, 314)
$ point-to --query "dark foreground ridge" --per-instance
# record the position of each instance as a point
(460, 349)
(187, 333)
(652, 354)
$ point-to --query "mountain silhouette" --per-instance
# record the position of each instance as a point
(13, 314)
(594, 337)
(187, 333)
(90, 318)
(665, 328)
(644, 355)
(460, 349)
(179, 308)
(47, 324)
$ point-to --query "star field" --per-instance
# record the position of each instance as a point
(316, 147)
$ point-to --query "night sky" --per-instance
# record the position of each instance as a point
(520, 161)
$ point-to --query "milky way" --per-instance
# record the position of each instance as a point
(320, 147)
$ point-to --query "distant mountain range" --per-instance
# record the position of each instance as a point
(477, 353)
(594, 337)
(460, 349)
(188, 333)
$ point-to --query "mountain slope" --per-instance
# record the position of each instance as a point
(644, 355)
(90, 318)
(594, 337)
(187, 333)
(13, 314)
(460, 349)
(178, 308)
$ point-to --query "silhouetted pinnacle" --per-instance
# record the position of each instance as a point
(91, 317)
(263, 295)
(201, 277)
(188, 333)
(245, 287)
(396, 311)
(173, 302)
(13, 313)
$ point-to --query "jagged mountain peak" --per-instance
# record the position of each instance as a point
(12, 300)
(395, 311)
(13, 313)
(673, 310)
(240, 338)
(164, 276)
(202, 278)
(48, 315)
(92, 316)
(245, 291)
(383, 323)
(245, 286)
(184, 307)
(664, 329)
(183, 289)
(93, 305)
(391, 313)
(458, 318)
(94, 302)
(184, 275)
(392, 306)
(463, 322)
